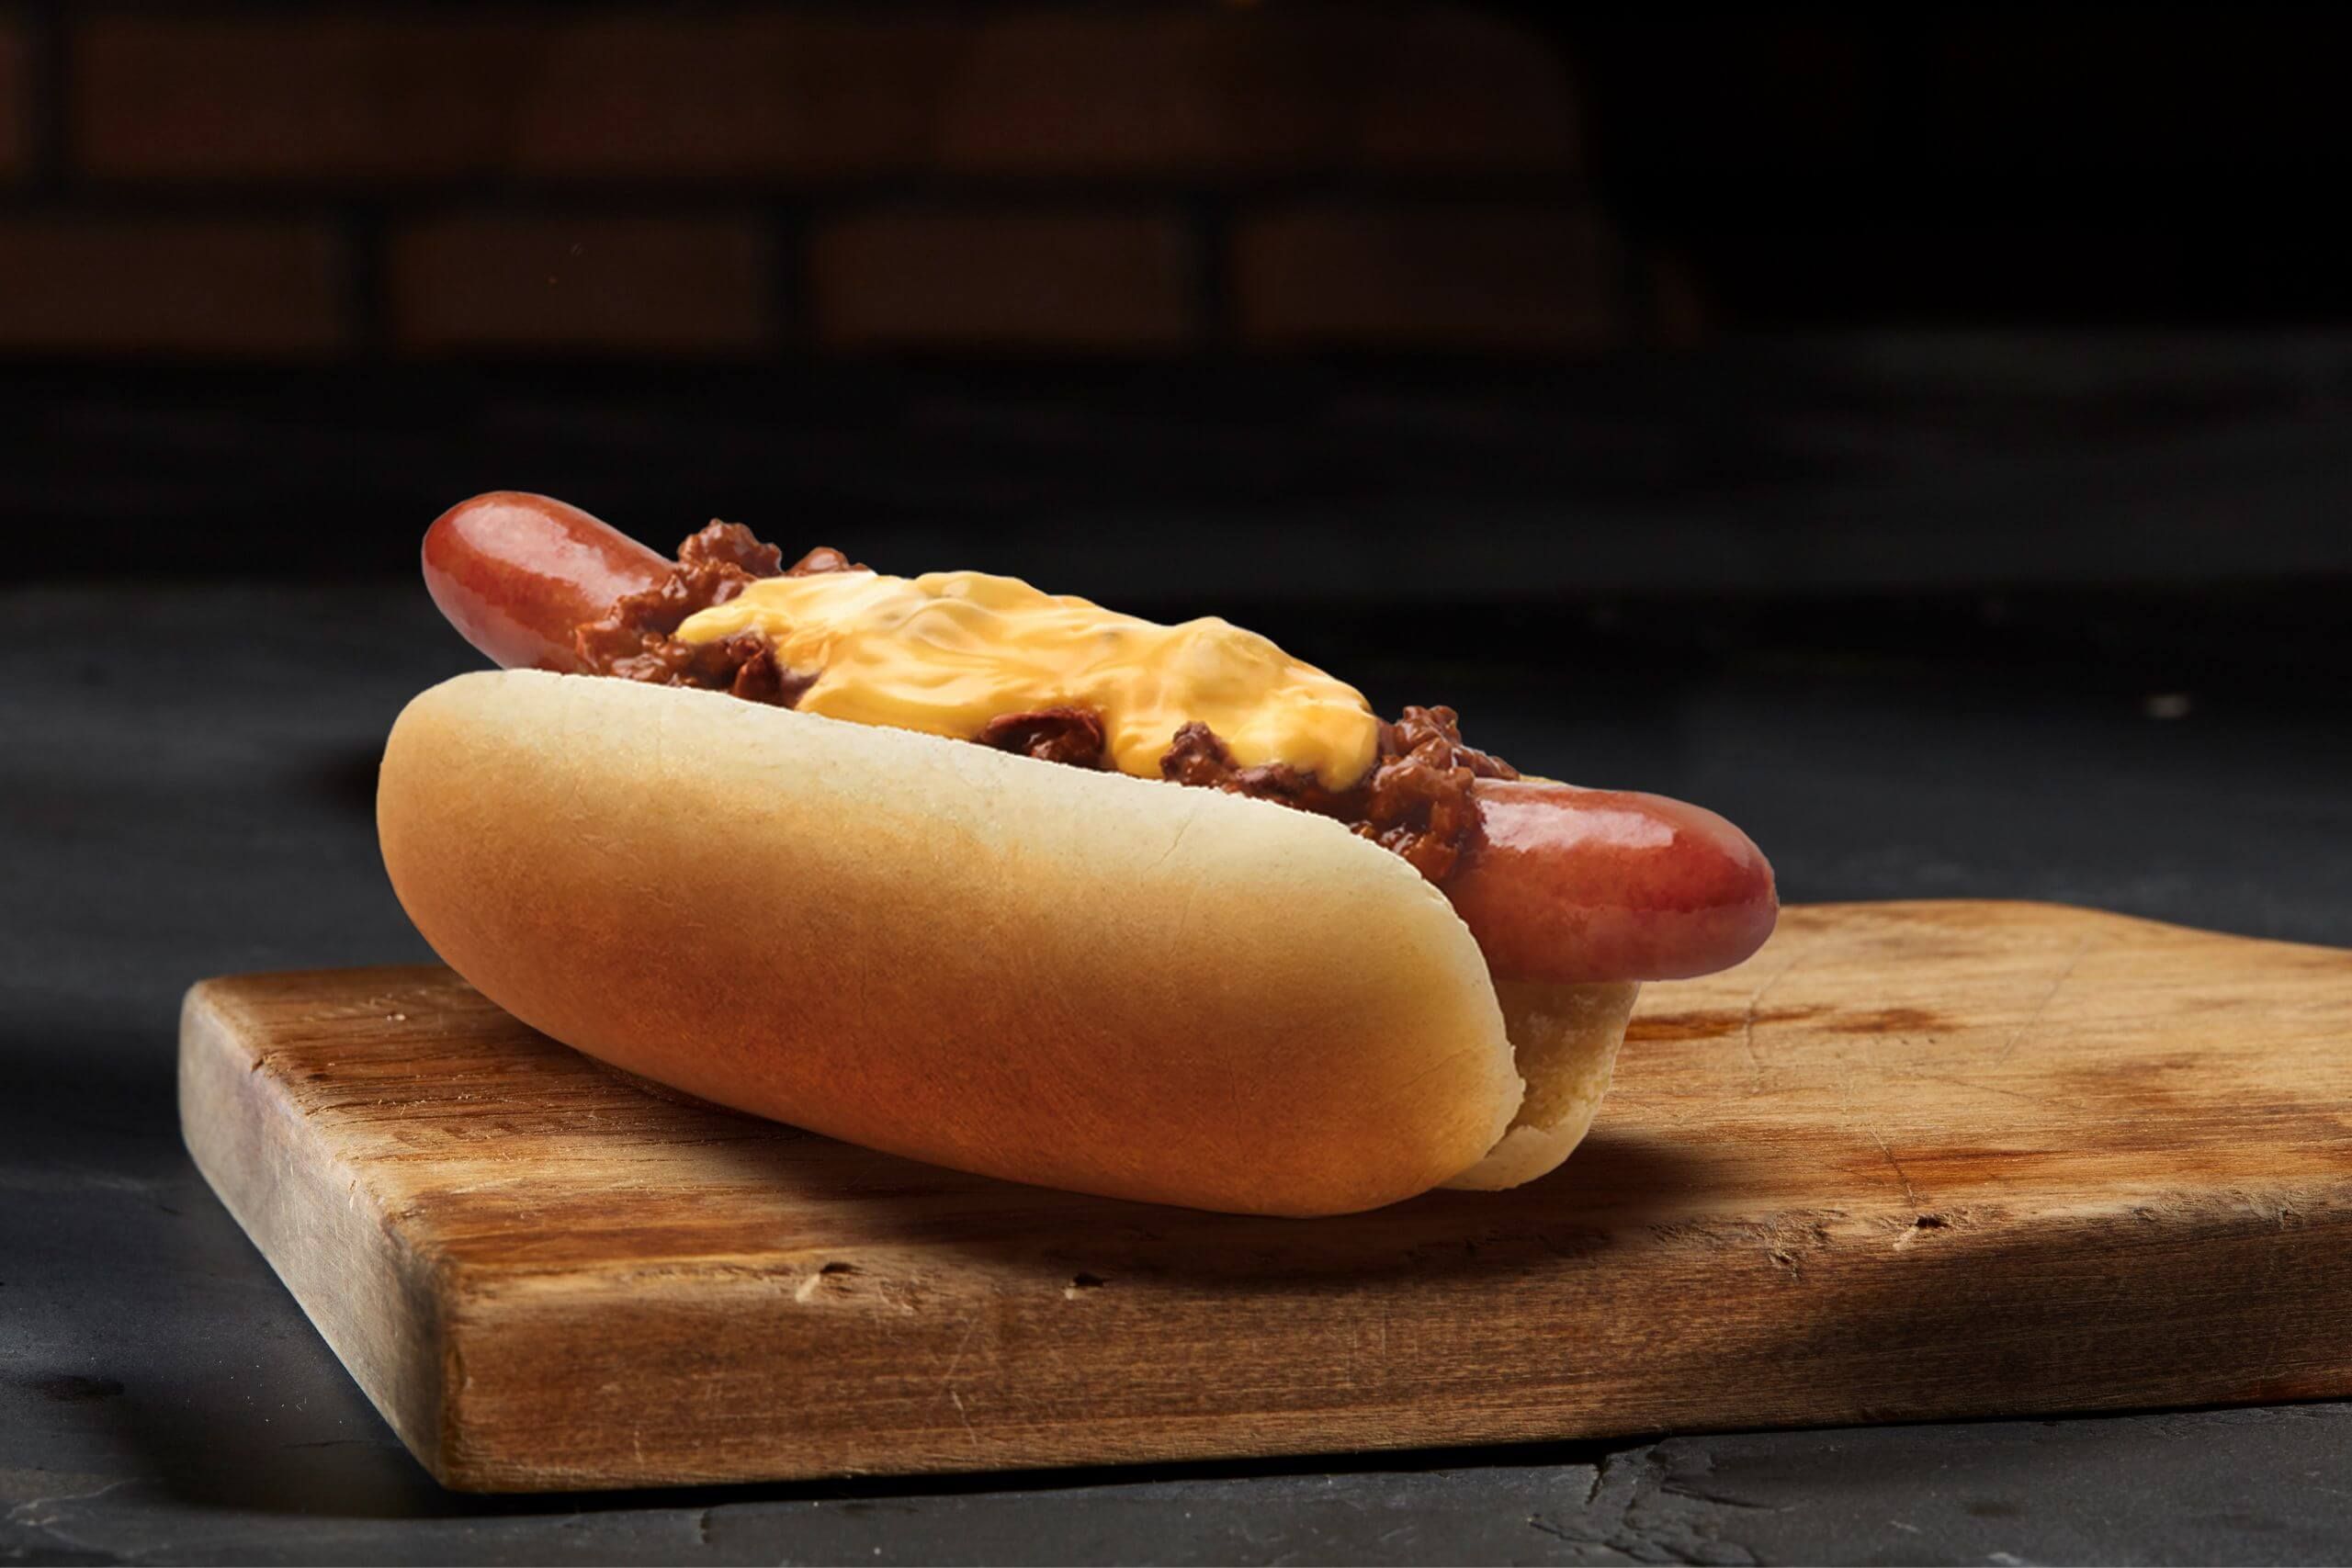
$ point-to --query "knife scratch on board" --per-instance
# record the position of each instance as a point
(2042, 1006)
(1748, 1022)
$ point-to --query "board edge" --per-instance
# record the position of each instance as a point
(335, 1246)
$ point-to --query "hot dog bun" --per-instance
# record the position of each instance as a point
(1030, 971)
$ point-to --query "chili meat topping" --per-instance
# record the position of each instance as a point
(1067, 735)
(1416, 801)
(635, 639)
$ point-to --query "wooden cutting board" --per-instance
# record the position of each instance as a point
(1914, 1160)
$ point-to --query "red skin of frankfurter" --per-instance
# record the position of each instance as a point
(1570, 886)
(516, 573)
(1575, 884)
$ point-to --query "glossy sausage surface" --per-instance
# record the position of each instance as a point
(1602, 885)
(1570, 886)
(516, 572)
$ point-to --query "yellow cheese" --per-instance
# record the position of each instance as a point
(948, 651)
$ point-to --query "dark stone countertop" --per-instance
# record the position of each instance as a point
(184, 791)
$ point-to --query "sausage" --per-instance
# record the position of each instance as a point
(516, 573)
(1567, 885)
(1576, 884)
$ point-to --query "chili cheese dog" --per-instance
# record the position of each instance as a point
(1364, 959)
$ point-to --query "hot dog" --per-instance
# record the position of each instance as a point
(1289, 1054)
(1570, 886)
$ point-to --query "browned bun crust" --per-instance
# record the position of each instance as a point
(1031, 971)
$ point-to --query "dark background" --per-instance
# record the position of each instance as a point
(1186, 301)
(1924, 437)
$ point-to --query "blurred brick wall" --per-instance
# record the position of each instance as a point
(748, 182)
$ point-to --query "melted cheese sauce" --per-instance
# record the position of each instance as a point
(948, 651)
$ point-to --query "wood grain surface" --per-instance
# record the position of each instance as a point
(1912, 1160)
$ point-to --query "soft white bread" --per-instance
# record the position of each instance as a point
(1031, 971)
(1564, 1041)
